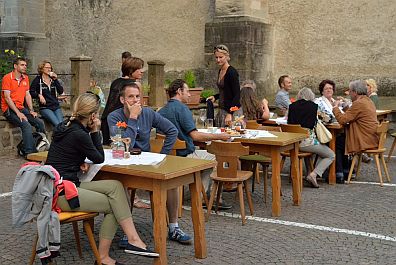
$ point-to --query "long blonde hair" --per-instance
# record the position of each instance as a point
(84, 106)
(372, 85)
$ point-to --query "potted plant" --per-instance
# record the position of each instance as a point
(195, 92)
(146, 91)
(207, 93)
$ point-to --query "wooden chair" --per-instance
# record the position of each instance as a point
(252, 124)
(227, 154)
(377, 153)
(74, 217)
(296, 128)
(253, 161)
(156, 147)
(392, 148)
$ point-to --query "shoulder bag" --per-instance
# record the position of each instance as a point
(322, 133)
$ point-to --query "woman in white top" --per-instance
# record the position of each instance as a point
(326, 101)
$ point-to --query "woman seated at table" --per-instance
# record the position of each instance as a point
(326, 101)
(79, 138)
(372, 92)
(304, 113)
(252, 108)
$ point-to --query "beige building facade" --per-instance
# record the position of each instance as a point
(310, 40)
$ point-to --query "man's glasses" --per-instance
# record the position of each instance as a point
(221, 47)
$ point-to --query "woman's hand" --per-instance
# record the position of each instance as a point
(228, 119)
(94, 123)
(212, 98)
(84, 167)
(42, 99)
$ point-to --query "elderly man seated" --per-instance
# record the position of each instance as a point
(360, 120)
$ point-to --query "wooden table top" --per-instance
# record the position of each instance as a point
(170, 167)
(383, 111)
(282, 139)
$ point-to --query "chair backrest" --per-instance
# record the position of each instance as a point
(227, 157)
(382, 131)
(179, 144)
(294, 128)
(270, 128)
(252, 124)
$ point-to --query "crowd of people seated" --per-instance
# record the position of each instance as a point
(84, 133)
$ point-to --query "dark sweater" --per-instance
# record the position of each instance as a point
(304, 113)
(71, 146)
(229, 90)
(49, 93)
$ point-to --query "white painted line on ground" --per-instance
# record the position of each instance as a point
(307, 226)
(7, 194)
(374, 183)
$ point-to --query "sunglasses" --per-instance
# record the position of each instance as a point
(221, 47)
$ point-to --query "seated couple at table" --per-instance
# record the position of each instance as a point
(79, 138)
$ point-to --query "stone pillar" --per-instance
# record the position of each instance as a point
(81, 71)
(156, 80)
(243, 26)
(22, 28)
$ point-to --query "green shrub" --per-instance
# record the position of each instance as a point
(189, 78)
(207, 93)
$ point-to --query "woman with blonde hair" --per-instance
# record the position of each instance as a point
(228, 85)
(79, 138)
(46, 88)
(372, 92)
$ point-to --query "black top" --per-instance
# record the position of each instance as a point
(229, 90)
(303, 112)
(69, 148)
(49, 93)
(113, 102)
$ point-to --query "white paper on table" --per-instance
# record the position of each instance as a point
(208, 131)
(280, 120)
(261, 133)
(145, 158)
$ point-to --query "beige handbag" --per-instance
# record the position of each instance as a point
(322, 133)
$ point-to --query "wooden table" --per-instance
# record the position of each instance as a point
(173, 172)
(273, 146)
(382, 114)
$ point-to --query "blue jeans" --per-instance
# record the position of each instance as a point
(27, 132)
(53, 116)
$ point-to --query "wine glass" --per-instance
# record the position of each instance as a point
(202, 115)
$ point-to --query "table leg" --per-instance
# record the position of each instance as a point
(332, 171)
(295, 173)
(276, 182)
(197, 216)
(159, 226)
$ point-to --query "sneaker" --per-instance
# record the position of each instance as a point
(179, 236)
(222, 206)
(123, 243)
(146, 252)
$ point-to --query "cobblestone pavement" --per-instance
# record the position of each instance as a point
(340, 224)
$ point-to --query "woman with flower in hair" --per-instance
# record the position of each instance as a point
(228, 85)
(79, 138)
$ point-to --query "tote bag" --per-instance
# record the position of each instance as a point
(323, 135)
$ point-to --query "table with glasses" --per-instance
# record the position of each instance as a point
(172, 172)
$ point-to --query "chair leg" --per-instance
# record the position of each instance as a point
(249, 197)
(219, 190)
(300, 162)
(391, 150)
(241, 203)
(265, 177)
(282, 163)
(181, 193)
(351, 169)
(257, 172)
(133, 192)
(378, 169)
(77, 237)
(152, 205)
(91, 239)
(33, 255)
(359, 165)
(204, 196)
(211, 199)
(385, 167)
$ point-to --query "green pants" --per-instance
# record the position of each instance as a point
(103, 196)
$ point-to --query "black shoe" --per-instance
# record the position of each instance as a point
(222, 206)
(131, 249)
(116, 263)
(340, 181)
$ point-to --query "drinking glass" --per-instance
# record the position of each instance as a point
(202, 116)
(209, 123)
